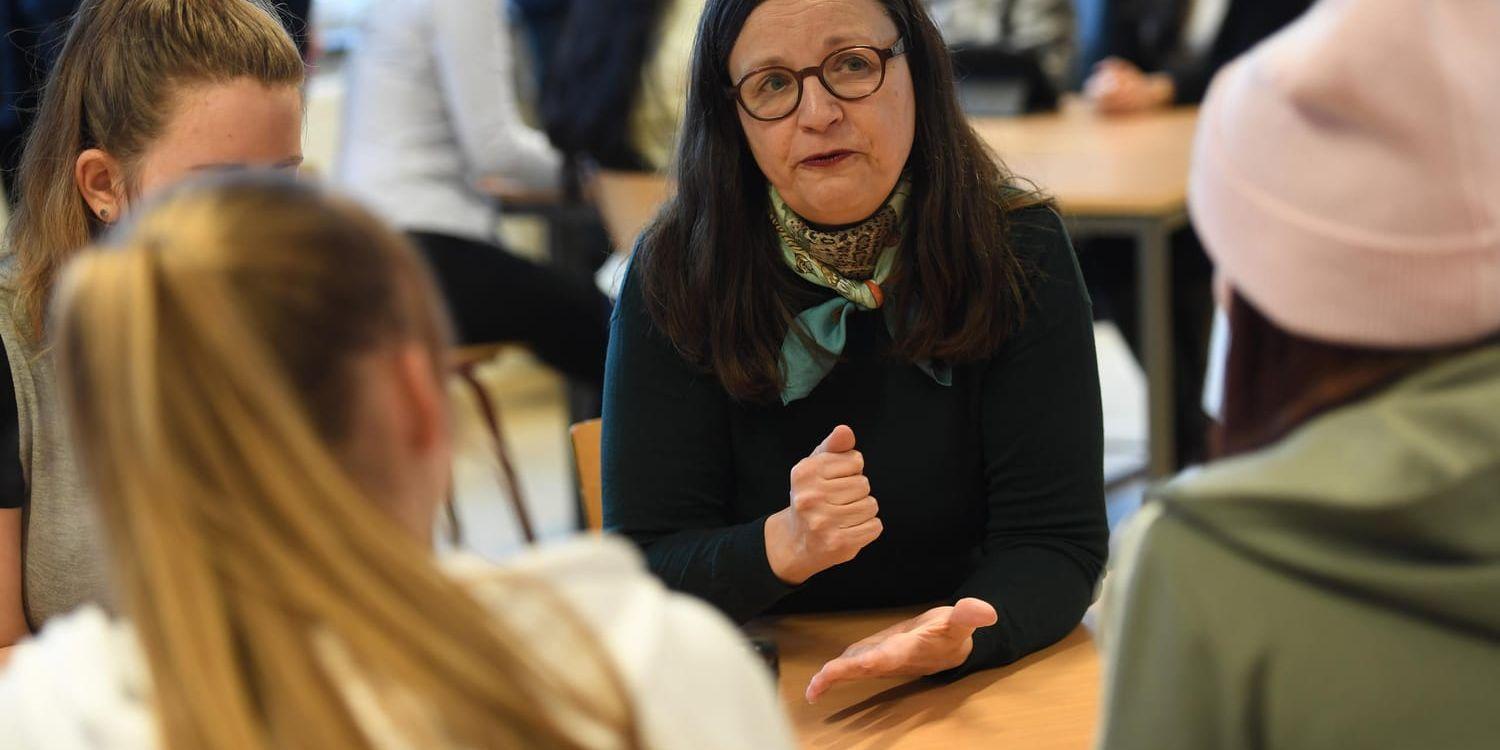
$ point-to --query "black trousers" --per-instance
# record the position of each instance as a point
(1109, 270)
(496, 297)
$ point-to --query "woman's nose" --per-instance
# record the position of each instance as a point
(819, 109)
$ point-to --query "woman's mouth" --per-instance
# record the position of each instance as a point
(826, 159)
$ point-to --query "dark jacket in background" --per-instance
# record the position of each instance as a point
(1149, 34)
(542, 22)
(594, 76)
(295, 15)
(31, 32)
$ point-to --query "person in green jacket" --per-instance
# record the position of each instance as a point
(1333, 579)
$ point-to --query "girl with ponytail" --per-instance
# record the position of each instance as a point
(143, 93)
(255, 376)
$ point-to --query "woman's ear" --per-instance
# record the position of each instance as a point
(426, 397)
(101, 181)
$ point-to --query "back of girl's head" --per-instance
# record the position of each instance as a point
(208, 357)
(111, 88)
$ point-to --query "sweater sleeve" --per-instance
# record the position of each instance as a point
(1047, 536)
(669, 469)
(471, 43)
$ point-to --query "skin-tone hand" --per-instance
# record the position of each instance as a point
(1118, 87)
(936, 640)
(831, 516)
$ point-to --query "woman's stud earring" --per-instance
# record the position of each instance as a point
(104, 214)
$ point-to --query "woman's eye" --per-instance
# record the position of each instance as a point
(854, 64)
(774, 84)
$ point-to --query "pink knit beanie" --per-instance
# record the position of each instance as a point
(1346, 174)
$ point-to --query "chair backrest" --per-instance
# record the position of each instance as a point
(588, 462)
(628, 201)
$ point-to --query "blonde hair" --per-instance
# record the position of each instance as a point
(207, 358)
(110, 89)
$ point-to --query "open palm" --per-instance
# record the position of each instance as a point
(938, 639)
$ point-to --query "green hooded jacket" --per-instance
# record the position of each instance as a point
(1339, 589)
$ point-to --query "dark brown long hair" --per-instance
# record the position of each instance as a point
(714, 282)
(1275, 380)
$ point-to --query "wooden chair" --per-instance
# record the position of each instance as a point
(588, 463)
(465, 360)
(628, 201)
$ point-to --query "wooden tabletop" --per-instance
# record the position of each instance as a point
(1134, 165)
(1047, 700)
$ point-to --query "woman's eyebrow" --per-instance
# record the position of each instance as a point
(831, 43)
(291, 161)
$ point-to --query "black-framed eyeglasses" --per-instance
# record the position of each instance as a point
(850, 74)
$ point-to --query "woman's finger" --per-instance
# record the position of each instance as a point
(847, 490)
(970, 614)
(859, 512)
(842, 669)
(840, 465)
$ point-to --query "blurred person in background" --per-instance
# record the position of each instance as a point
(618, 86)
(1162, 53)
(1043, 30)
(431, 112)
(256, 373)
(1332, 578)
(541, 21)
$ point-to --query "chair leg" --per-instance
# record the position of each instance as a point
(507, 468)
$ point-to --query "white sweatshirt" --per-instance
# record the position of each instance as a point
(83, 684)
(430, 108)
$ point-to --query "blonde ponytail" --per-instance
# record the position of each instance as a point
(208, 362)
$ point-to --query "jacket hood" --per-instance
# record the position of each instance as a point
(1394, 500)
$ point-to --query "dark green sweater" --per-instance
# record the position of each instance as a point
(990, 487)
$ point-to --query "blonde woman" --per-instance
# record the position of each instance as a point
(143, 93)
(256, 373)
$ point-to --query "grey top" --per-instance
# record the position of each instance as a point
(62, 551)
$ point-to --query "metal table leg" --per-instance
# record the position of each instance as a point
(1154, 269)
(1154, 290)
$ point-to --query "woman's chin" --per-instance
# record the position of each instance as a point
(852, 204)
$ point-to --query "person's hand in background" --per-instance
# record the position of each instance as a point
(1118, 87)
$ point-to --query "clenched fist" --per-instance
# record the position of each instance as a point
(831, 516)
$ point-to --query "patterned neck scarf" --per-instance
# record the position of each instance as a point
(854, 263)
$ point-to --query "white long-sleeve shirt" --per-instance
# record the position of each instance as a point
(431, 107)
(692, 680)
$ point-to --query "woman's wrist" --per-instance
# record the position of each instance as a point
(1163, 89)
(779, 552)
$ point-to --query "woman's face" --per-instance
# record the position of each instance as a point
(833, 161)
(232, 125)
(235, 124)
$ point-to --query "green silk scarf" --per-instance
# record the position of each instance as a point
(852, 262)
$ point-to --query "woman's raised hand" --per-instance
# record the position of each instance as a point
(831, 516)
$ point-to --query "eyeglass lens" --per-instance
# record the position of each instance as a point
(849, 74)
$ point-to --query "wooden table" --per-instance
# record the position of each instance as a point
(1117, 176)
(1047, 700)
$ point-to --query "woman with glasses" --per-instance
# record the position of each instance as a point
(849, 298)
